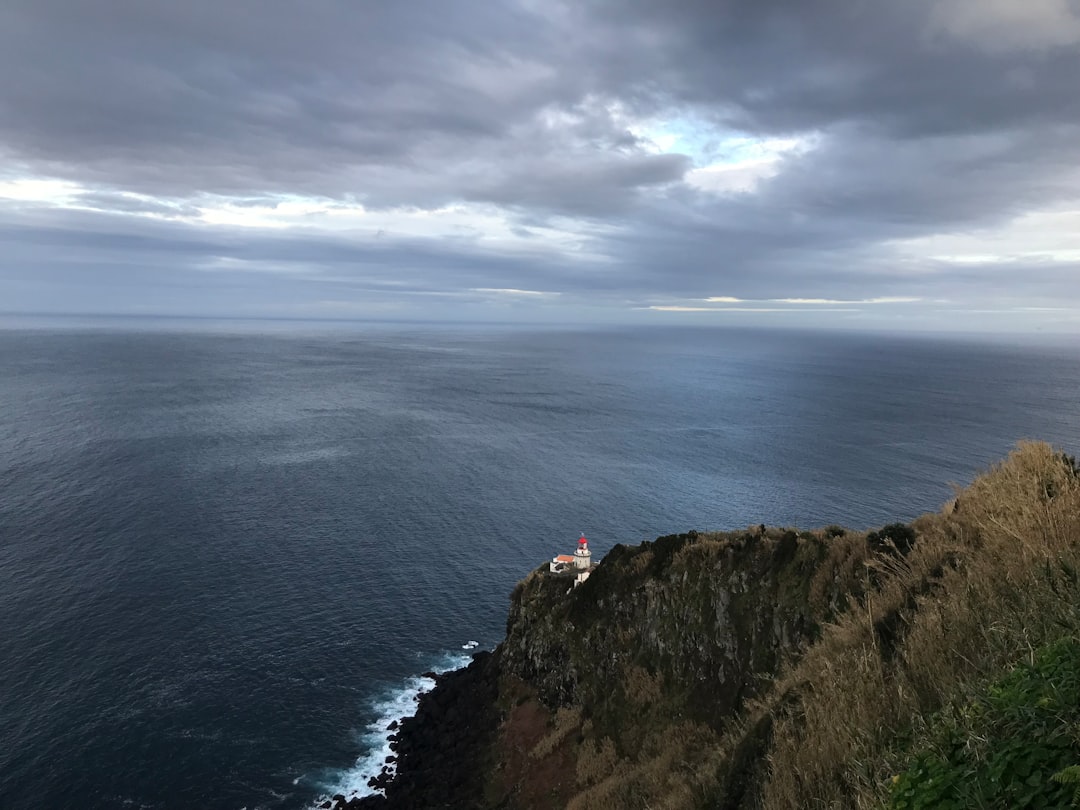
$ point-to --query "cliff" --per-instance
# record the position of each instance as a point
(685, 625)
(774, 668)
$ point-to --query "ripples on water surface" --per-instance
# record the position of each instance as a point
(223, 556)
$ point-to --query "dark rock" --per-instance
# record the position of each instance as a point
(441, 752)
(374, 802)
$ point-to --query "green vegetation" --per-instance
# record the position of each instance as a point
(1004, 746)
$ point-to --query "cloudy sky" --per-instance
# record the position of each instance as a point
(801, 162)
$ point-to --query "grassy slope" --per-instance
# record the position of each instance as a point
(660, 661)
(988, 584)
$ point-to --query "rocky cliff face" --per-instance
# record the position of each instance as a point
(651, 656)
(688, 623)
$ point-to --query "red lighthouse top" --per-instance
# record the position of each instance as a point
(582, 541)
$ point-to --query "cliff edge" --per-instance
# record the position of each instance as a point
(775, 668)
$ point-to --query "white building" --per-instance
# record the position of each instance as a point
(561, 564)
(582, 561)
(579, 563)
(583, 557)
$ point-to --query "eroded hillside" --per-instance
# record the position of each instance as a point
(779, 669)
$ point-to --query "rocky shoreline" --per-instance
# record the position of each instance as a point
(443, 752)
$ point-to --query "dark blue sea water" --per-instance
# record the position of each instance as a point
(225, 553)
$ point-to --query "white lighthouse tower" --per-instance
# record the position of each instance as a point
(582, 557)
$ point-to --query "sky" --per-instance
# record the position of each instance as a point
(830, 163)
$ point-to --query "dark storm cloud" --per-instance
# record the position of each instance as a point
(913, 68)
(322, 97)
(356, 97)
(591, 188)
(917, 118)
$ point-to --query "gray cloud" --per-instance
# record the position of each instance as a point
(918, 118)
(95, 251)
(786, 65)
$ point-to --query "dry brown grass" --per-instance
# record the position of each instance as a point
(641, 563)
(642, 687)
(986, 583)
(842, 566)
(666, 776)
(596, 760)
(704, 551)
(567, 720)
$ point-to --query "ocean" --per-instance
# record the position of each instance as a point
(229, 551)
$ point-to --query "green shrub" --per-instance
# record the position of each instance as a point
(1005, 747)
(1070, 776)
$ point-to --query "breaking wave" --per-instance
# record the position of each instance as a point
(394, 704)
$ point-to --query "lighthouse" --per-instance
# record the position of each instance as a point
(582, 557)
(579, 564)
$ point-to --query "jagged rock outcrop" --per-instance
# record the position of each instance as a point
(695, 620)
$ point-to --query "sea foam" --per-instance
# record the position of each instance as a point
(394, 705)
